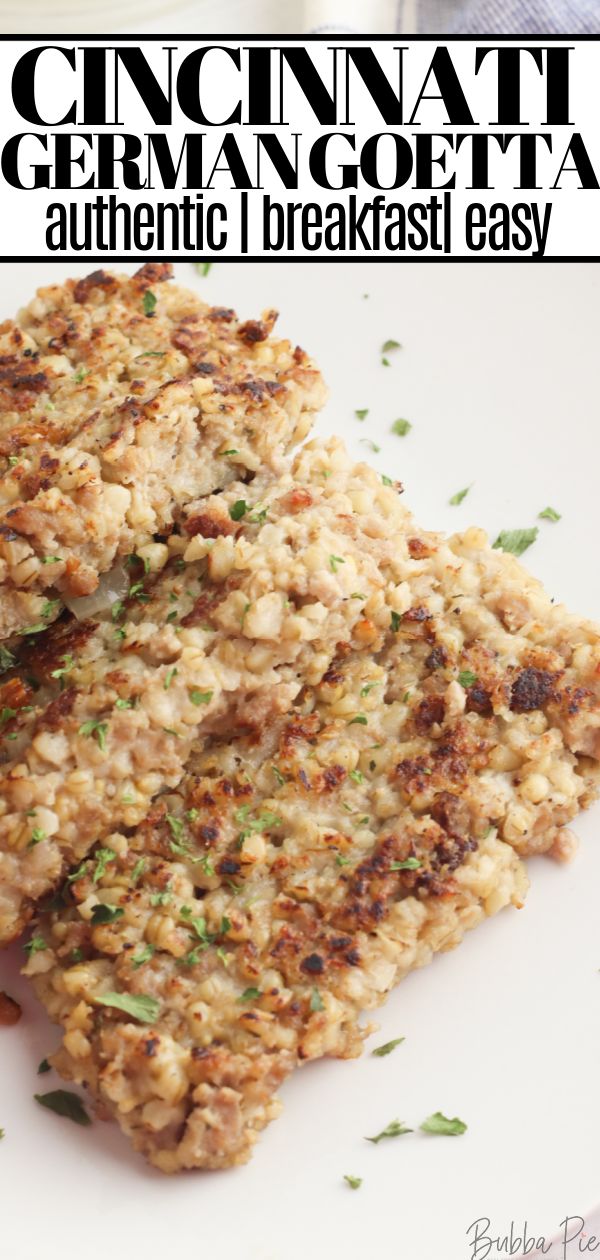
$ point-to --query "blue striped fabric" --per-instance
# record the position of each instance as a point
(531, 17)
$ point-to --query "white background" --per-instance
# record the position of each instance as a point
(498, 375)
(574, 227)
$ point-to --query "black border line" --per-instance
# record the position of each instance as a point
(317, 36)
(310, 37)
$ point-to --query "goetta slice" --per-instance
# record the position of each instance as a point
(253, 598)
(305, 865)
(243, 927)
(122, 401)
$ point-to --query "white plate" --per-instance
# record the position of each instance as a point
(498, 376)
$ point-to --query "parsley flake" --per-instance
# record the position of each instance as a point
(354, 1182)
(138, 1005)
(103, 857)
(516, 540)
(64, 1103)
(387, 1047)
(440, 1124)
(401, 427)
(143, 955)
(103, 913)
(149, 302)
(467, 678)
(362, 413)
(459, 496)
(549, 514)
(238, 509)
(250, 995)
(97, 728)
(396, 1128)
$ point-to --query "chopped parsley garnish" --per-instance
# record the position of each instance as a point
(97, 728)
(37, 836)
(342, 861)
(103, 857)
(354, 1182)
(362, 413)
(65, 668)
(43, 1067)
(64, 1103)
(549, 514)
(203, 268)
(278, 775)
(172, 616)
(395, 621)
(79, 375)
(459, 496)
(359, 720)
(371, 445)
(401, 427)
(364, 691)
(201, 697)
(390, 345)
(438, 1123)
(149, 302)
(103, 913)
(238, 509)
(136, 591)
(516, 540)
(52, 560)
(467, 678)
(169, 676)
(123, 704)
(206, 864)
(409, 864)
(76, 955)
(79, 873)
(138, 1005)
(117, 609)
(138, 870)
(316, 1001)
(176, 826)
(232, 451)
(142, 955)
(387, 1047)
(251, 825)
(250, 995)
(396, 1128)
(335, 562)
(161, 898)
(387, 481)
(356, 776)
(35, 946)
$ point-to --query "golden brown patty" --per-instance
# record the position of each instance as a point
(239, 618)
(124, 400)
